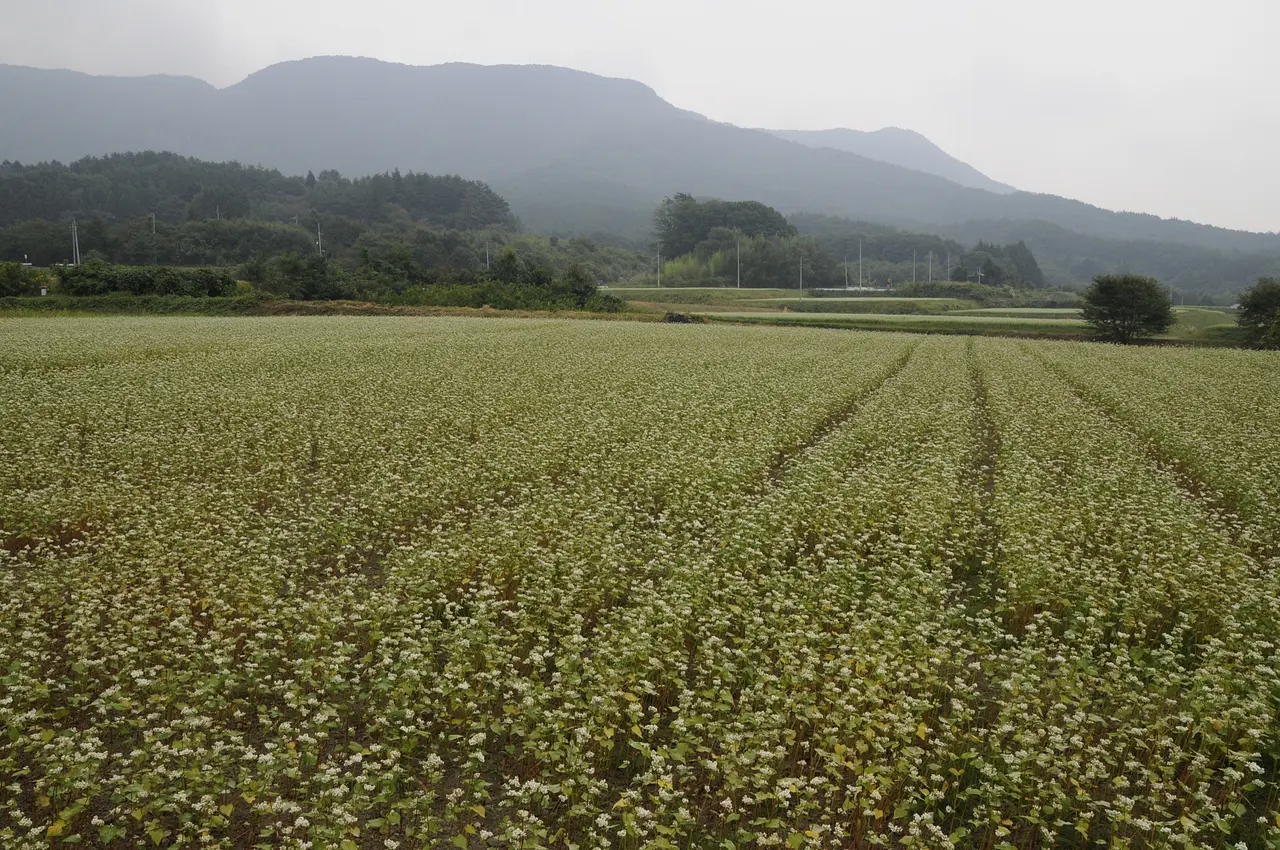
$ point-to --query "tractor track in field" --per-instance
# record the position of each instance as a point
(786, 459)
(1220, 506)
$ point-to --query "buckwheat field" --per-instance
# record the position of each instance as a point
(456, 583)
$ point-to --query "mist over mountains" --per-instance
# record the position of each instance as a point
(897, 146)
(578, 153)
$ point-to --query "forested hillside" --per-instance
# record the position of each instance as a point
(1197, 275)
(164, 209)
(749, 244)
(572, 153)
(889, 254)
(176, 188)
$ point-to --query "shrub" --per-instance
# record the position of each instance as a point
(17, 280)
(98, 278)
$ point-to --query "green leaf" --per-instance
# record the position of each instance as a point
(109, 833)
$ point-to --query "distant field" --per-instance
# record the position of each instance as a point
(694, 295)
(1207, 325)
(917, 306)
(653, 297)
(1204, 317)
(871, 299)
(1020, 312)
(960, 324)
(810, 306)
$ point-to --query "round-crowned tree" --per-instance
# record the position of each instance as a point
(1260, 313)
(1126, 307)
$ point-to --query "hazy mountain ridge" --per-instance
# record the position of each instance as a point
(571, 151)
(897, 146)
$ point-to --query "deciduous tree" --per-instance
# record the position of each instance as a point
(1260, 312)
(1125, 307)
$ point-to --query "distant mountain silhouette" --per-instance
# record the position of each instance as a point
(571, 151)
(65, 115)
(896, 146)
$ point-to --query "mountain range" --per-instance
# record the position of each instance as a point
(897, 146)
(576, 153)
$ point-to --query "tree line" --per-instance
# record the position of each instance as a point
(389, 231)
(512, 282)
(515, 279)
(1198, 274)
(175, 188)
(722, 243)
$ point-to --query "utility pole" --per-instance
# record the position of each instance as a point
(802, 277)
(75, 243)
(739, 242)
(319, 238)
(859, 263)
(486, 257)
(913, 265)
(659, 269)
(931, 267)
(846, 272)
(979, 275)
(154, 253)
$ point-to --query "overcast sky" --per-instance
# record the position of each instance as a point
(1161, 106)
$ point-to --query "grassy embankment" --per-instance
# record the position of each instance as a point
(1199, 325)
(114, 305)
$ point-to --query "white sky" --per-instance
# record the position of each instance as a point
(1162, 106)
